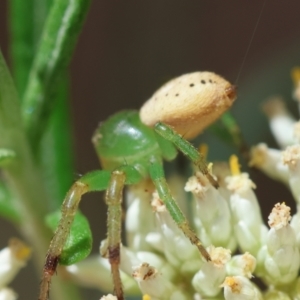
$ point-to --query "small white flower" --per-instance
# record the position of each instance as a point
(280, 216)
(130, 259)
(240, 288)
(269, 161)
(248, 226)
(280, 256)
(12, 259)
(94, 272)
(139, 217)
(291, 158)
(154, 284)
(176, 246)
(280, 120)
(295, 224)
(211, 215)
(242, 264)
(207, 281)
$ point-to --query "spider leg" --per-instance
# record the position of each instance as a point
(158, 177)
(186, 148)
(69, 208)
(113, 199)
(94, 181)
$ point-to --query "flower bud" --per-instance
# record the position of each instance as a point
(242, 264)
(95, 272)
(240, 288)
(248, 226)
(269, 161)
(280, 120)
(12, 259)
(176, 246)
(139, 217)
(291, 158)
(152, 282)
(212, 215)
(207, 281)
(280, 256)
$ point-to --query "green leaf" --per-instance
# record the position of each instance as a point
(26, 21)
(54, 155)
(58, 41)
(79, 242)
(10, 115)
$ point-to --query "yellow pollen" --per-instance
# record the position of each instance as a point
(295, 74)
(234, 165)
(203, 149)
(146, 297)
(233, 284)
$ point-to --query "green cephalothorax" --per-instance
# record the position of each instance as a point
(131, 146)
(124, 139)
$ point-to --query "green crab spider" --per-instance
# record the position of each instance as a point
(131, 146)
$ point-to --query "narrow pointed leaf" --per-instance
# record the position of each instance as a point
(58, 40)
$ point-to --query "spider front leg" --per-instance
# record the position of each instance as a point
(158, 177)
(186, 148)
(68, 210)
(94, 181)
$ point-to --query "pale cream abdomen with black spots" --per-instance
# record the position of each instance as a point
(189, 103)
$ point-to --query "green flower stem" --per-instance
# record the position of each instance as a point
(57, 43)
(24, 178)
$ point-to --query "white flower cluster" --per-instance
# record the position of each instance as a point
(159, 260)
(162, 263)
(12, 259)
